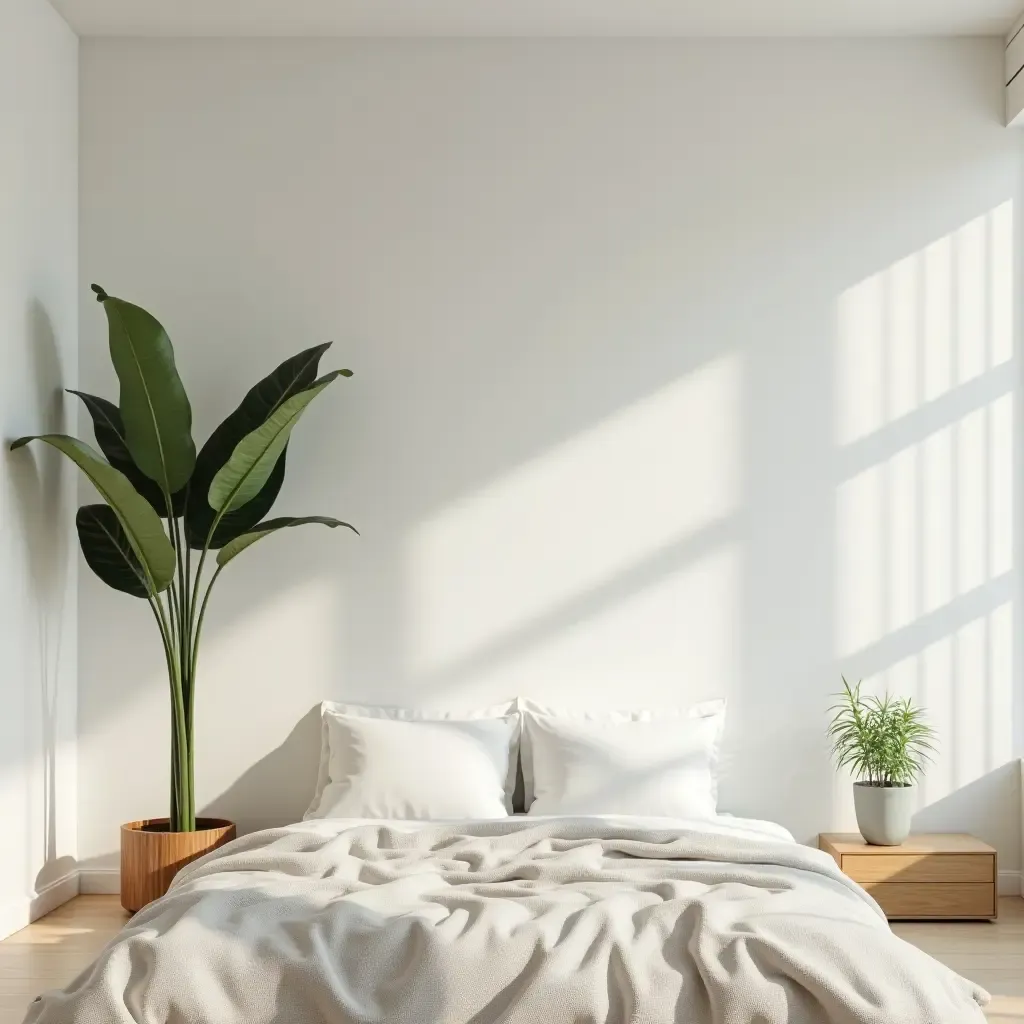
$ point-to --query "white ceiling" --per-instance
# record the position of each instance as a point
(539, 17)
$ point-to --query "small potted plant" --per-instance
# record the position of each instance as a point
(162, 501)
(885, 743)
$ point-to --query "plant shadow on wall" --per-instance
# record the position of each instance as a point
(40, 491)
(162, 501)
(926, 520)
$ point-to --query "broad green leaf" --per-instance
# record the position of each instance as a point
(239, 544)
(142, 526)
(109, 431)
(292, 376)
(233, 523)
(255, 456)
(154, 407)
(108, 552)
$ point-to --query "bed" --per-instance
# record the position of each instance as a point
(538, 920)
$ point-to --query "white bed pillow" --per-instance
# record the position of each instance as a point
(400, 763)
(650, 762)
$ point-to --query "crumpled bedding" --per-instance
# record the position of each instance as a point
(558, 921)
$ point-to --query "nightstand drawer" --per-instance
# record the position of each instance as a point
(934, 900)
(939, 876)
(936, 867)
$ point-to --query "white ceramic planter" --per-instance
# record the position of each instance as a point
(884, 813)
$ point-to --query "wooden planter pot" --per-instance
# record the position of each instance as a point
(151, 855)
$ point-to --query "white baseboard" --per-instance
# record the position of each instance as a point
(19, 914)
(103, 881)
(1010, 883)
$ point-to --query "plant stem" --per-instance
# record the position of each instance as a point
(177, 640)
(199, 573)
(195, 625)
(199, 621)
(178, 799)
(182, 647)
(190, 657)
(182, 808)
(184, 636)
(185, 809)
(185, 648)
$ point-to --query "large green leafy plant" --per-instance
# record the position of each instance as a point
(162, 501)
(882, 740)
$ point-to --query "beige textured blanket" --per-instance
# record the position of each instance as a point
(555, 922)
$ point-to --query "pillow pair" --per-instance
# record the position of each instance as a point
(402, 764)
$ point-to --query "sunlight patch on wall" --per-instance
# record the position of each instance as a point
(970, 500)
(570, 521)
(903, 583)
(969, 296)
(965, 741)
(672, 642)
(1000, 493)
(937, 323)
(901, 320)
(984, 294)
(933, 519)
(932, 321)
(937, 520)
(925, 526)
(931, 523)
(964, 680)
(935, 689)
(1001, 276)
(999, 727)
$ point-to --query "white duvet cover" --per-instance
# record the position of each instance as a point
(531, 920)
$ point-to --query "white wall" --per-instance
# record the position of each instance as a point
(681, 370)
(39, 352)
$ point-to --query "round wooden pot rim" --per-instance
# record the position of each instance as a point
(202, 825)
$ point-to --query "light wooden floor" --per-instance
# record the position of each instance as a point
(52, 951)
(990, 954)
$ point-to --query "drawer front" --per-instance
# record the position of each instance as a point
(925, 867)
(928, 899)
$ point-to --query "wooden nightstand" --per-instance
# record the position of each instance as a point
(942, 877)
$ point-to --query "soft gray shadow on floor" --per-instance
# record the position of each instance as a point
(278, 788)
